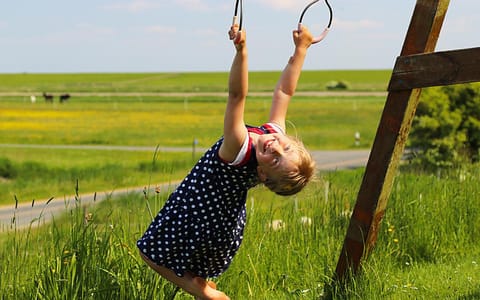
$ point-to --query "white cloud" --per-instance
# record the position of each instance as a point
(162, 29)
(195, 5)
(134, 5)
(206, 32)
(461, 25)
(82, 33)
(284, 4)
(92, 30)
(356, 25)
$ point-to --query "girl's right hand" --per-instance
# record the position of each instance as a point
(302, 38)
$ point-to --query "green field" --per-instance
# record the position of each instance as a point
(176, 122)
(119, 120)
(362, 80)
(158, 121)
(427, 246)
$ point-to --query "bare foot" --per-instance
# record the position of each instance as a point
(209, 290)
(212, 284)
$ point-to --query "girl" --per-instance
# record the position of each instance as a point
(200, 228)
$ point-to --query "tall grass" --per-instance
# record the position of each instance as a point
(427, 247)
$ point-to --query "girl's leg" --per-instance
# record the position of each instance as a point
(197, 286)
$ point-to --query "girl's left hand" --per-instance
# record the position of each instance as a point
(238, 37)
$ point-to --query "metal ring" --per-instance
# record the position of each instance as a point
(312, 3)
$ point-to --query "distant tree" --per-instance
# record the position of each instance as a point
(337, 85)
(446, 128)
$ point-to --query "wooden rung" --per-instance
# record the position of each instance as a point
(435, 69)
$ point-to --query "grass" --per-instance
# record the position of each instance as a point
(53, 172)
(364, 80)
(428, 241)
(45, 173)
(91, 254)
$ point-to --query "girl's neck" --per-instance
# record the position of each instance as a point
(254, 136)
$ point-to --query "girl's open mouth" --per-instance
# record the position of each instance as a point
(267, 144)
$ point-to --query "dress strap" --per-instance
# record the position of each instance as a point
(273, 128)
(244, 154)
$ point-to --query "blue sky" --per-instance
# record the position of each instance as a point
(191, 35)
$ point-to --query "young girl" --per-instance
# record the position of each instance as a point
(200, 228)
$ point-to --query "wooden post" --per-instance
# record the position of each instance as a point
(389, 143)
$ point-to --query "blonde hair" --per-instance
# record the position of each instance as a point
(291, 182)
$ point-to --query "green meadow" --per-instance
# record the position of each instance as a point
(361, 80)
(42, 173)
(149, 121)
(176, 122)
(427, 246)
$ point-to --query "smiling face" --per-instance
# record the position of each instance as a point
(276, 154)
(284, 164)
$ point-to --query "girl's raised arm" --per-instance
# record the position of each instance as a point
(287, 83)
(234, 125)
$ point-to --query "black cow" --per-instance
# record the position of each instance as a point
(48, 97)
(64, 97)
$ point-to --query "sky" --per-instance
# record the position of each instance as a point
(59, 36)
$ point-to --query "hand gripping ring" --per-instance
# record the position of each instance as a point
(326, 30)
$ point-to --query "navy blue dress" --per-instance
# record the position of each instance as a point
(200, 227)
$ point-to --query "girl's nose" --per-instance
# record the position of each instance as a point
(276, 147)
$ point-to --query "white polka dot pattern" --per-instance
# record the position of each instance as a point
(200, 227)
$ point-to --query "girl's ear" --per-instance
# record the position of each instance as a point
(261, 174)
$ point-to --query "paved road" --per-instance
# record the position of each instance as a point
(41, 212)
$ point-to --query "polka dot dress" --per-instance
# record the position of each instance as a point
(200, 227)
